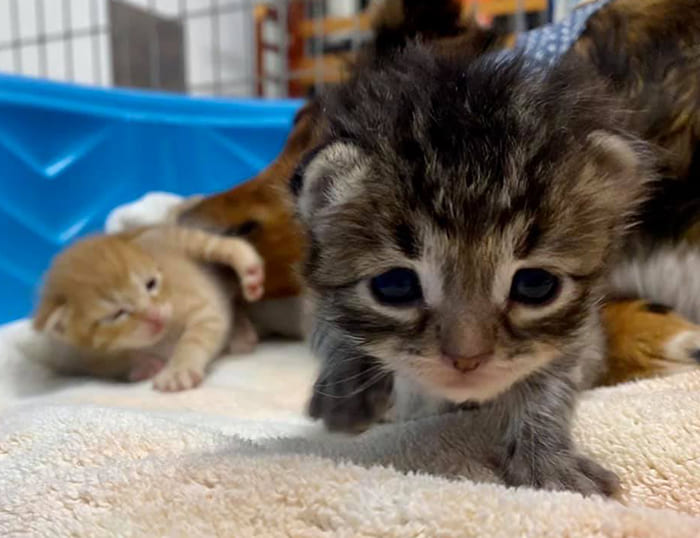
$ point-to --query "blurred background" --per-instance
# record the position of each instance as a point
(279, 48)
(222, 79)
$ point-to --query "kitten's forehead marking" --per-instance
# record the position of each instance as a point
(430, 266)
(407, 239)
(442, 254)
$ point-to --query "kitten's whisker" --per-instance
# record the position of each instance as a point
(372, 381)
(372, 369)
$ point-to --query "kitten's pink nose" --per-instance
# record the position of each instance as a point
(466, 345)
(153, 315)
(154, 318)
(467, 364)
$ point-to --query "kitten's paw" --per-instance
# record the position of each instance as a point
(252, 281)
(145, 367)
(684, 350)
(242, 257)
(605, 482)
(647, 340)
(351, 399)
(177, 379)
(563, 473)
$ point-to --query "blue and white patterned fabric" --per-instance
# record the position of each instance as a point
(546, 44)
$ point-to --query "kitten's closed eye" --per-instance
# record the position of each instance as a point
(397, 287)
(534, 287)
(118, 315)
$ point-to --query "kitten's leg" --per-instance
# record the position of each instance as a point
(201, 340)
(647, 340)
(244, 337)
(352, 391)
(242, 258)
(236, 253)
(535, 444)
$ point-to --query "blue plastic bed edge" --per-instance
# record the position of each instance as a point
(70, 153)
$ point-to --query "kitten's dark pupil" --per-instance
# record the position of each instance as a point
(151, 284)
(534, 286)
(397, 287)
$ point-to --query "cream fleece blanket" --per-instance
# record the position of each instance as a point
(236, 457)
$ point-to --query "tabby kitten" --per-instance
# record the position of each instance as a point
(462, 218)
(141, 303)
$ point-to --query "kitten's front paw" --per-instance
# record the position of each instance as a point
(562, 473)
(252, 281)
(352, 398)
(177, 379)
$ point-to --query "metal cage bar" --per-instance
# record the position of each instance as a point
(224, 47)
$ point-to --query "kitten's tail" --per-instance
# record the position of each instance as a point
(653, 330)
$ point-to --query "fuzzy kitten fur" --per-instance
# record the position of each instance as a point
(465, 172)
(142, 303)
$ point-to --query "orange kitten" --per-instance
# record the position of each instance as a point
(129, 302)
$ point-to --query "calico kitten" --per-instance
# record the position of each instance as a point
(462, 218)
(127, 303)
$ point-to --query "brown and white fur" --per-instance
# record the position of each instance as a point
(149, 302)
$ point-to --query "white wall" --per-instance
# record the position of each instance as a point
(235, 30)
(27, 59)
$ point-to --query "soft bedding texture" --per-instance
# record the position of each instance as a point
(237, 457)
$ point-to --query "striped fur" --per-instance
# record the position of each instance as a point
(129, 303)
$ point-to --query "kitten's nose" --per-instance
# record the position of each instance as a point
(154, 317)
(467, 364)
(466, 346)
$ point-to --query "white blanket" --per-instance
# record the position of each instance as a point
(237, 457)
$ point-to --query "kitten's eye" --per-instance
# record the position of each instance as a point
(118, 315)
(151, 284)
(397, 287)
(534, 287)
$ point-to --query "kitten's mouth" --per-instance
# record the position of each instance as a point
(471, 380)
(479, 378)
(157, 326)
(466, 365)
(157, 320)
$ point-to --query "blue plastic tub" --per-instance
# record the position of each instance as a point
(69, 154)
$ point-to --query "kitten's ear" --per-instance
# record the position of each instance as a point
(324, 175)
(51, 316)
(624, 165)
